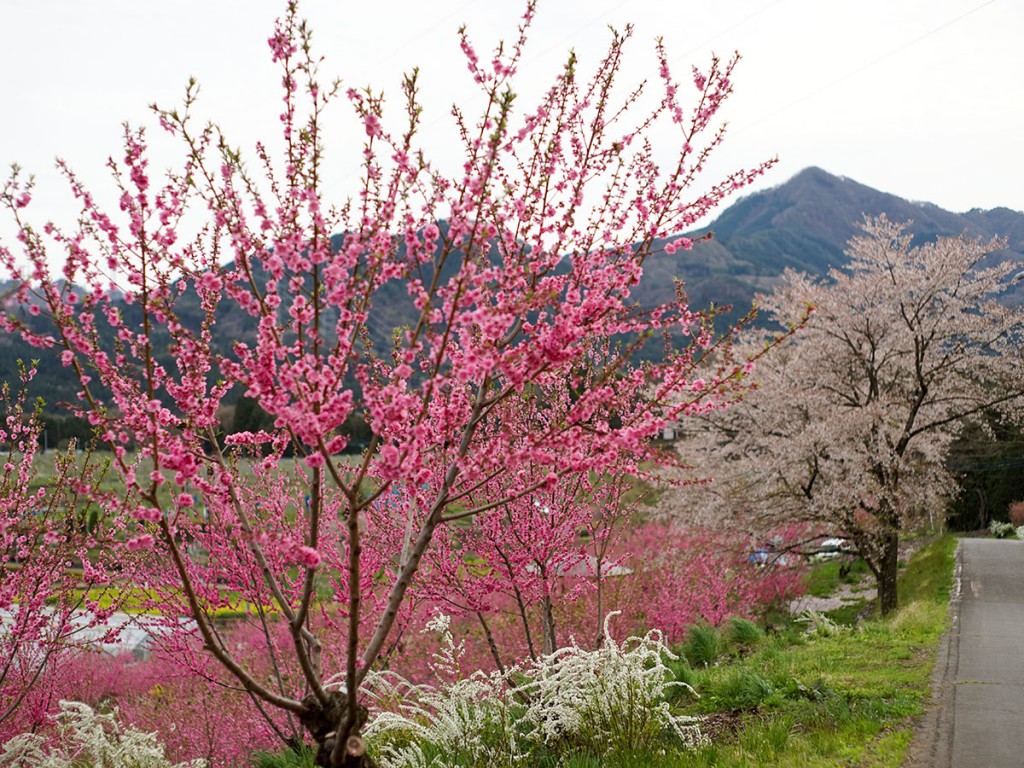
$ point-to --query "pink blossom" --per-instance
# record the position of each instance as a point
(147, 514)
(307, 557)
(372, 124)
(211, 281)
(145, 541)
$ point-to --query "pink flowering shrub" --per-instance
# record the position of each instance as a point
(684, 577)
(200, 712)
(657, 576)
(53, 568)
(80, 675)
(175, 691)
(514, 571)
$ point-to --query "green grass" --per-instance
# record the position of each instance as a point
(744, 634)
(833, 701)
(930, 577)
(703, 646)
(287, 759)
(826, 577)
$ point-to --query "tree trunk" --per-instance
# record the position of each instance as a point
(353, 756)
(323, 723)
(490, 642)
(548, 627)
(888, 569)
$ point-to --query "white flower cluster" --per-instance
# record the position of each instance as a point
(468, 721)
(1001, 530)
(609, 698)
(574, 699)
(819, 625)
(87, 738)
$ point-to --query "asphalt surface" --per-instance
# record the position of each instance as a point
(977, 716)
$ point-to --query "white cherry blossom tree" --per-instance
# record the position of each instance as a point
(852, 419)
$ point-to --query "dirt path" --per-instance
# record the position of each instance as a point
(845, 594)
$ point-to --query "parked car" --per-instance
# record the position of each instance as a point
(832, 548)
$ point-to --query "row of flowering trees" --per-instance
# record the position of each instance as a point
(514, 387)
(53, 588)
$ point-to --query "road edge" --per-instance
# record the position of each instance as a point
(932, 744)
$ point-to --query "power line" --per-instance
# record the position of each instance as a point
(419, 35)
(867, 65)
(725, 32)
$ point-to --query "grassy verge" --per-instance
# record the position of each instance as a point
(841, 696)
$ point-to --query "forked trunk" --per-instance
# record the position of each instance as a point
(323, 724)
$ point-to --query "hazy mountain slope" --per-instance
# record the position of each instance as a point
(803, 223)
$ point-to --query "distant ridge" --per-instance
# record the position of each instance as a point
(804, 223)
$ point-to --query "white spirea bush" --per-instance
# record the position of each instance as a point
(819, 625)
(461, 721)
(1001, 530)
(612, 698)
(87, 739)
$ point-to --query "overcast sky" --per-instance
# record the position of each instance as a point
(921, 98)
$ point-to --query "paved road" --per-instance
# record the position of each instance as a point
(978, 717)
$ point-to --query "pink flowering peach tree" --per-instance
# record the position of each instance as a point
(522, 564)
(482, 323)
(52, 566)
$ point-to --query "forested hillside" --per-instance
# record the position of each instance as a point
(804, 224)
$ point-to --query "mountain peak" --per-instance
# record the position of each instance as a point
(805, 223)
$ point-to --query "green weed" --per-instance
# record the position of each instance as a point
(703, 646)
(744, 633)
